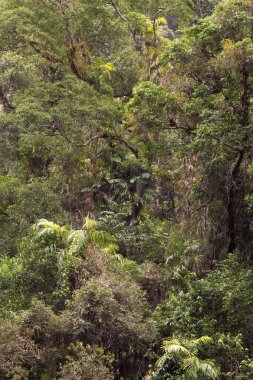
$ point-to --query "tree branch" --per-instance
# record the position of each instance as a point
(97, 137)
(131, 30)
(128, 145)
(45, 54)
(159, 10)
(111, 2)
(174, 125)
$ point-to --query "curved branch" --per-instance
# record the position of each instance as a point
(111, 2)
(97, 137)
(127, 144)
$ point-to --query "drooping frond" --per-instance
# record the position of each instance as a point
(45, 227)
(77, 240)
(203, 340)
(191, 364)
(185, 354)
(174, 349)
(209, 369)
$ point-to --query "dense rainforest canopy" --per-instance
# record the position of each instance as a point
(126, 189)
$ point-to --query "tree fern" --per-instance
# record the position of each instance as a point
(185, 354)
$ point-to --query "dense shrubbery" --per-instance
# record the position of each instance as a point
(126, 189)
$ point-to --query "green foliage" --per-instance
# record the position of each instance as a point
(87, 363)
(125, 184)
(219, 302)
(148, 241)
(150, 103)
(184, 358)
(105, 305)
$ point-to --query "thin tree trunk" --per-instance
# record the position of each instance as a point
(231, 207)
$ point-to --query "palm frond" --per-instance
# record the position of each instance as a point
(175, 349)
(77, 240)
(203, 340)
(45, 227)
(209, 369)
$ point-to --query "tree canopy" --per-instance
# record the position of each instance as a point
(126, 197)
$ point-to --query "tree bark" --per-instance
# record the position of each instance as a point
(231, 207)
